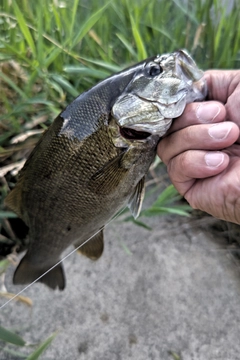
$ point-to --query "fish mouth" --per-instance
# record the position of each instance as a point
(149, 110)
(133, 134)
(142, 131)
(191, 75)
(164, 113)
(187, 68)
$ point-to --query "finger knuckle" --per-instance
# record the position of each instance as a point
(188, 135)
(177, 167)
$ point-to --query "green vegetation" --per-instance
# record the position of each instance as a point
(10, 338)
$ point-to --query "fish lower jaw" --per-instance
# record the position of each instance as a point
(200, 89)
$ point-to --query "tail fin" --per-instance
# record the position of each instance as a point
(26, 273)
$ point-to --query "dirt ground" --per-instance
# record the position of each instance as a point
(169, 293)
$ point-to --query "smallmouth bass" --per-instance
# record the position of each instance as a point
(92, 160)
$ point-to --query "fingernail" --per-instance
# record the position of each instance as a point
(207, 112)
(220, 131)
(214, 159)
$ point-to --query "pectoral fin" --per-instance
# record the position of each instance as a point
(94, 247)
(107, 178)
(136, 199)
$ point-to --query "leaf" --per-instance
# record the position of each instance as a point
(142, 54)
(10, 337)
(15, 354)
(65, 85)
(7, 214)
(84, 71)
(13, 85)
(104, 64)
(153, 211)
(137, 222)
(186, 11)
(174, 355)
(127, 45)
(73, 17)
(40, 48)
(3, 266)
(90, 22)
(52, 56)
(24, 299)
(167, 196)
(42, 347)
(24, 28)
(125, 248)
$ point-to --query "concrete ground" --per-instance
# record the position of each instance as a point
(173, 294)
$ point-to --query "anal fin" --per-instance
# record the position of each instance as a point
(27, 272)
(93, 249)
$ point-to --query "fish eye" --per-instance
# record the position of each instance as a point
(155, 70)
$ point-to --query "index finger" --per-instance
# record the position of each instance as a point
(206, 112)
(222, 83)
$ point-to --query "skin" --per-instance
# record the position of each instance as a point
(202, 148)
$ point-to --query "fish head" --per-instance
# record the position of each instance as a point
(159, 92)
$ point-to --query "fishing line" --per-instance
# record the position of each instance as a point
(60, 261)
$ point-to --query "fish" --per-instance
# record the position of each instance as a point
(92, 161)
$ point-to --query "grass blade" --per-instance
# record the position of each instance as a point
(23, 299)
(43, 346)
(127, 45)
(65, 85)
(89, 23)
(13, 85)
(142, 54)
(15, 354)
(24, 28)
(40, 48)
(10, 337)
(168, 195)
(86, 71)
(153, 211)
(74, 13)
(7, 214)
(3, 266)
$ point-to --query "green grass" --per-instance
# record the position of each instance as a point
(9, 338)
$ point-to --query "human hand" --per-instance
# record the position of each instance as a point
(202, 150)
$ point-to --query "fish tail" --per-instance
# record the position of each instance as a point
(27, 272)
